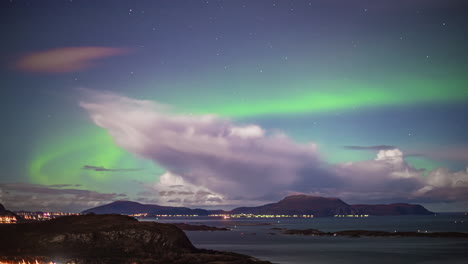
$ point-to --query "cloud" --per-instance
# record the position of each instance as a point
(26, 196)
(99, 168)
(64, 185)
(378, 147)
(233, 160)
(186, 194)
(457, 154)
(62, 60)
(223, 163)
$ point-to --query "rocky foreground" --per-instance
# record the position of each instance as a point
(89, 239)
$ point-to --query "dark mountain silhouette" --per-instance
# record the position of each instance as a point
(322, 206)
(291, 205)
(128, 207)
(300, 205)
(391, 209)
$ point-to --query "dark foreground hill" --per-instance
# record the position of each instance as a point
(105, 239)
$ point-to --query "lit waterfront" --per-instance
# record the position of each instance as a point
(226, 216)
(33, 262)
(8, 220)
(42, 216)
(31, 216)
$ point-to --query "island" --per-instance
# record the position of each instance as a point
(189, 227)
(371, 233)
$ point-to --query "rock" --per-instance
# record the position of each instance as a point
(88, 239)
(306, 232)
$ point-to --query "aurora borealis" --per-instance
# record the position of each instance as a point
(106, 100)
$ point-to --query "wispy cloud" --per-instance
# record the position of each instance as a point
(377, 147)
(457, 154)
(100, 168)
(64, 185)
(27, 196)
(63, 60)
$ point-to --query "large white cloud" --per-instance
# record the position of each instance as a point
(205, 150)
(232, 161)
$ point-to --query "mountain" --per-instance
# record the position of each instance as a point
(301, 205)
(322, 206)
(105, 239)
(291, 205)
(128, 207)
(391, 209)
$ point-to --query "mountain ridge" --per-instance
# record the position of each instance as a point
(130, 207)
(290, 205)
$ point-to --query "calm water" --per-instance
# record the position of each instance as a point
(257, 240)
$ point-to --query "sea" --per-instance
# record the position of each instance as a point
(255, 237)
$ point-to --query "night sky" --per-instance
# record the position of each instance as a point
(222, 103)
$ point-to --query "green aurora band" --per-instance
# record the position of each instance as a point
(60, 160)
(336, 96)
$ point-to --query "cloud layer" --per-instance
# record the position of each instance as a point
(233, 162)
(100, 168)
(62, 60)
(378, 147)
(26, 196)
